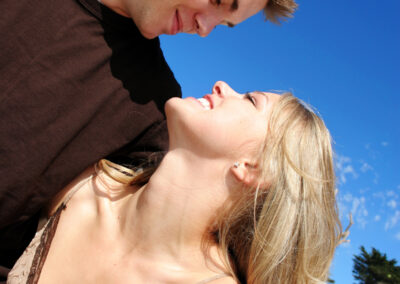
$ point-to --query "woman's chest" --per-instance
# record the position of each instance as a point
(84, 248)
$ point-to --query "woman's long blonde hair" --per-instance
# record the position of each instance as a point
(286, 231)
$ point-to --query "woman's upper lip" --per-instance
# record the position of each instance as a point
(210, 100)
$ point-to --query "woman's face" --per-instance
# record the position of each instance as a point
(223, 123)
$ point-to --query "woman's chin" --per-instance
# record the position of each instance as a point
(170, 105)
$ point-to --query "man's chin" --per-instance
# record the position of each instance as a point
(148, 34)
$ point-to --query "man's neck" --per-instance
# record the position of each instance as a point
(115, 5)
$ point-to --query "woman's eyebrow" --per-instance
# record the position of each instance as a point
(259, 92)
(262, 93)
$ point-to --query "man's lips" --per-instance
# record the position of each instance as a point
(177, 24)
(180, 23)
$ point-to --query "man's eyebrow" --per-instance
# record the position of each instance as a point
(234, 5)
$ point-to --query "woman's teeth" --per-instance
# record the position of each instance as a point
(205, 103)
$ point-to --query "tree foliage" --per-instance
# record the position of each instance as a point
(375, 268)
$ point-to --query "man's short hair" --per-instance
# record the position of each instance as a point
(279, 10)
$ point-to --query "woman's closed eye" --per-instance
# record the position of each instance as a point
(250, 98)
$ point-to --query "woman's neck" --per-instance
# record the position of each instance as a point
(169, 217)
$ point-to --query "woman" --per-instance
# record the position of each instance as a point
(245, 194)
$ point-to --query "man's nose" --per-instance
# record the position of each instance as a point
(205, 23)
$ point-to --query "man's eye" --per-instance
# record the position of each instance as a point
(216, 2)
(250, 98)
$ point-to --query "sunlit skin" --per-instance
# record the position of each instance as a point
(154, 234)
(235, 121)
(156, 17)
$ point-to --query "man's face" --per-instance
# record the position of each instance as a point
(156, 17)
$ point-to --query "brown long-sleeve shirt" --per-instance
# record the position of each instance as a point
(77, 83)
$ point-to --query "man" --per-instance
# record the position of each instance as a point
(81, 80)
(194, 16)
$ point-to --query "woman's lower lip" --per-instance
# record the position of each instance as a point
(197, 101)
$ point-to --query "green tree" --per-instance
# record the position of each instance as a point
(375, 268)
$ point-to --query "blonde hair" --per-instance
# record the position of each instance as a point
(128, 174)
(279, 10)
(286, 231)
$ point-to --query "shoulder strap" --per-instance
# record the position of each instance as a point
(75, 189)
(48, 234)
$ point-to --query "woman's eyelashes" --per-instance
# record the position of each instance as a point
(250, 98)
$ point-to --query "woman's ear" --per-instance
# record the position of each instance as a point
(246, 173)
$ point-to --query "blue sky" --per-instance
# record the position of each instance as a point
(344, 59)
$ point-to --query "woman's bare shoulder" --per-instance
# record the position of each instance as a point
(52, 206)
(99, 185)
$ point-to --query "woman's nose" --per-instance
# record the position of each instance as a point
(222, 89)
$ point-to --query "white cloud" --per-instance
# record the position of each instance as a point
(371, 152)
(390, 193)
(356, 203)
(364, 190)
(359, 211)
(376, 178)
(379, 195)
(366, 167)
(379, 198)
(344, 168)
(397, 236)
(346, 244)
(384, 143)
(348, 197)
(343, 210)
(377, 218)
(392, 222)
(349, 170)
(392, 204)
